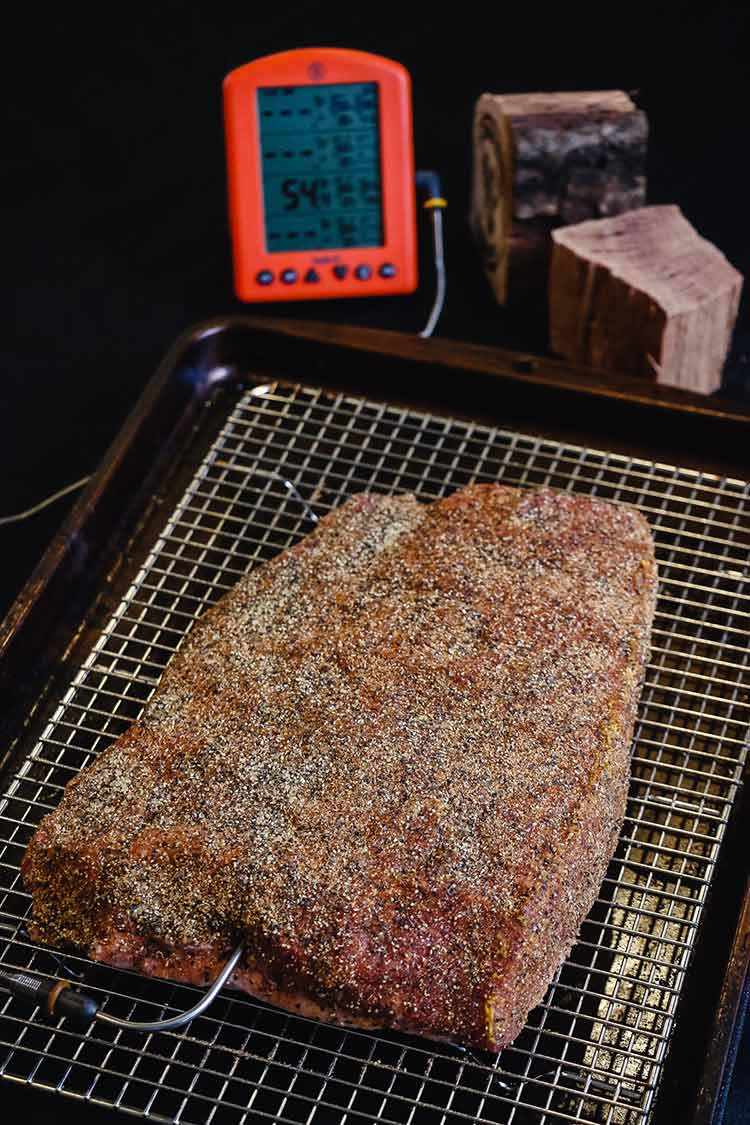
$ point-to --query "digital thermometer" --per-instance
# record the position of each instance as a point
(320, 168)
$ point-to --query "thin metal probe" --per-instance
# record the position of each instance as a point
(291, 488)
(181, 1018)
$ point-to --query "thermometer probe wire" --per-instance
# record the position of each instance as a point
(435, 207)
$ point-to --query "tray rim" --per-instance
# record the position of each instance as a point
(508, 365)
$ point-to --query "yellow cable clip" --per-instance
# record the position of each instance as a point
(436, 201)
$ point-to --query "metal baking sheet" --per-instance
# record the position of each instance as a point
(594, 1050)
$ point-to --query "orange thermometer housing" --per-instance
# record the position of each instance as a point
(320, 161)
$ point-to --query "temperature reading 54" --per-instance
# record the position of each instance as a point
(318, 193)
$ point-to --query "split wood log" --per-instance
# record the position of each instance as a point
(541, 160)
(643, 293)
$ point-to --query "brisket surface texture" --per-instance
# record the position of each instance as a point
(393, 760)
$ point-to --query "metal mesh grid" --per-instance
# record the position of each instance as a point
(593, 1050)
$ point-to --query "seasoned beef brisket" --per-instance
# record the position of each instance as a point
(393, 760)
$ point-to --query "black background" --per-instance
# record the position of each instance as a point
(115, 232)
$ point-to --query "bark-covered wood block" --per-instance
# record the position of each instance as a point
(541, 160)
(643, 293)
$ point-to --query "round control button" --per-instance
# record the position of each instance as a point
(362, 273)
(289, 277)
(340, 272)
(387, 270)
(264, 277)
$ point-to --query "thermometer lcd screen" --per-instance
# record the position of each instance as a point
(320, 152)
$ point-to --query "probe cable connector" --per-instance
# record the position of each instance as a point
(57, 998)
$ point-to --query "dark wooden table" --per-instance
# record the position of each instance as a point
(115, 237)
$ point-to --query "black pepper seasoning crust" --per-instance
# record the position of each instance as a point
(393, 760)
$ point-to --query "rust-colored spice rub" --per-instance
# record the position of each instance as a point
(393, 761)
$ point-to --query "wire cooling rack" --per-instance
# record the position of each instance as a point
(593, 1051)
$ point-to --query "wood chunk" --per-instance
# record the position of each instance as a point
(643, 293)
(544, 159)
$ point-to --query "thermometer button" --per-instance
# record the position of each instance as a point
(387, 270)
(264, 277)
(289, 276)
(340, 272)
(362, 273)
